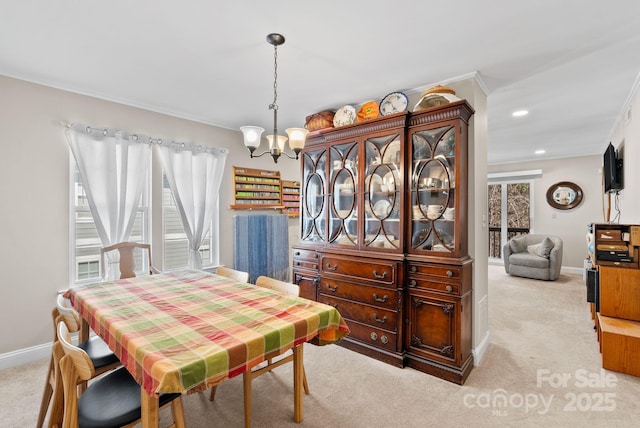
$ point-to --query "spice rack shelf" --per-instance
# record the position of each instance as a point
(291, 198)
(256, 189)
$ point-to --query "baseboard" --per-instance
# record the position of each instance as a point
(479, 351)
(572, 270)
(24, 356)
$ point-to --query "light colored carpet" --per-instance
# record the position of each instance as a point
(538, 328)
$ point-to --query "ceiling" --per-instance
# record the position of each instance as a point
(572, 64)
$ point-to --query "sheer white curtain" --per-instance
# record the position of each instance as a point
(194, 174)
(113, 166)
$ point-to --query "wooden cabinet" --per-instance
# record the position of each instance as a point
(305, 272)
(384, 206)
(438, 339)
(365, 291)
(618, 296)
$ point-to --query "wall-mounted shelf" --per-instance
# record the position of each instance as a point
(291, 198)
(256, 189)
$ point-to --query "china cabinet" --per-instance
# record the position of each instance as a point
(383, 220)
(439, 270)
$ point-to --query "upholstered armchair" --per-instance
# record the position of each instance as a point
(533, 256)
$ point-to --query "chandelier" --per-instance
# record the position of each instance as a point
(253, 134)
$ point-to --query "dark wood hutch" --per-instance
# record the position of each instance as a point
(383, 217)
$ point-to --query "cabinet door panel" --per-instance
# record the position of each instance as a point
(313, 200)
(433, 326)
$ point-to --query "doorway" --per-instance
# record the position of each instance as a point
(510, 208)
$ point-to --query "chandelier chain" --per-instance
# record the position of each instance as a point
(274, 106)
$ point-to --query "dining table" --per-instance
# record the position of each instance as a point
(189, 330)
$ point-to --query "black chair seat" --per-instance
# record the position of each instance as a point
(113, 401)
(99, 352)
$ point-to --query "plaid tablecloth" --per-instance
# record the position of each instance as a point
(189, 330)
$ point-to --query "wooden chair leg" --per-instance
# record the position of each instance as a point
(246, 380)
(46, 396)
(177, 410)
(304, 382)
(212, 396)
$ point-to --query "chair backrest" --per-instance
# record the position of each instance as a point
(71, 317)
(238, 275)
(277, 285)
(81, 361)
(127, 257)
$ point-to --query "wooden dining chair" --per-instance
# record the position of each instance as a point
(284, 288)
(237, 275)
(113, 400)
(101, 356)
(127, 258)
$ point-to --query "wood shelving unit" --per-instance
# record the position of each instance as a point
(256, 189)
(291, 198)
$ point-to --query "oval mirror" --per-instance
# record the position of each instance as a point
(564, 195)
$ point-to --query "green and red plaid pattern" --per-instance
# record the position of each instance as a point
(189, 330)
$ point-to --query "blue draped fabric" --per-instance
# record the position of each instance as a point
(261, 245)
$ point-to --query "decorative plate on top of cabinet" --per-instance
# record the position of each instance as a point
(346, 115)
(395, 102)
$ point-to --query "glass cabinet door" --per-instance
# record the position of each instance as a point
(433, 189)
(343, 185)
(382, 192)
(312, 203)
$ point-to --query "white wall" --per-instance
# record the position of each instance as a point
(627, 131)
(34, 186)
(570, 225)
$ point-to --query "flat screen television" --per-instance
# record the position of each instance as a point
(612, 170)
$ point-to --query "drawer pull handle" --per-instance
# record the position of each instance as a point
(449, 288)
(334, 267)
(384, 339)
(297, 253)
(449, 273)
(378, 276)
(379, 299)
(335, 305)
(380, 320)
(330, 288)
(297, 263)
(414, 269)
(412, 283)
(374, 336)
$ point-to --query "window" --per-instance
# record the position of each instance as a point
(85, 242)
(176, 244)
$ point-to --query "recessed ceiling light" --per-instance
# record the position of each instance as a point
(520, 113)
(540, 152)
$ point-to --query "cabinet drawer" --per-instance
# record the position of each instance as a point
(308, 283)
(451, 273)
(305, 264)
(372, 336)
(381, 318)
(379, 271)
(299, 253)
(374, 296)
(433, 284)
